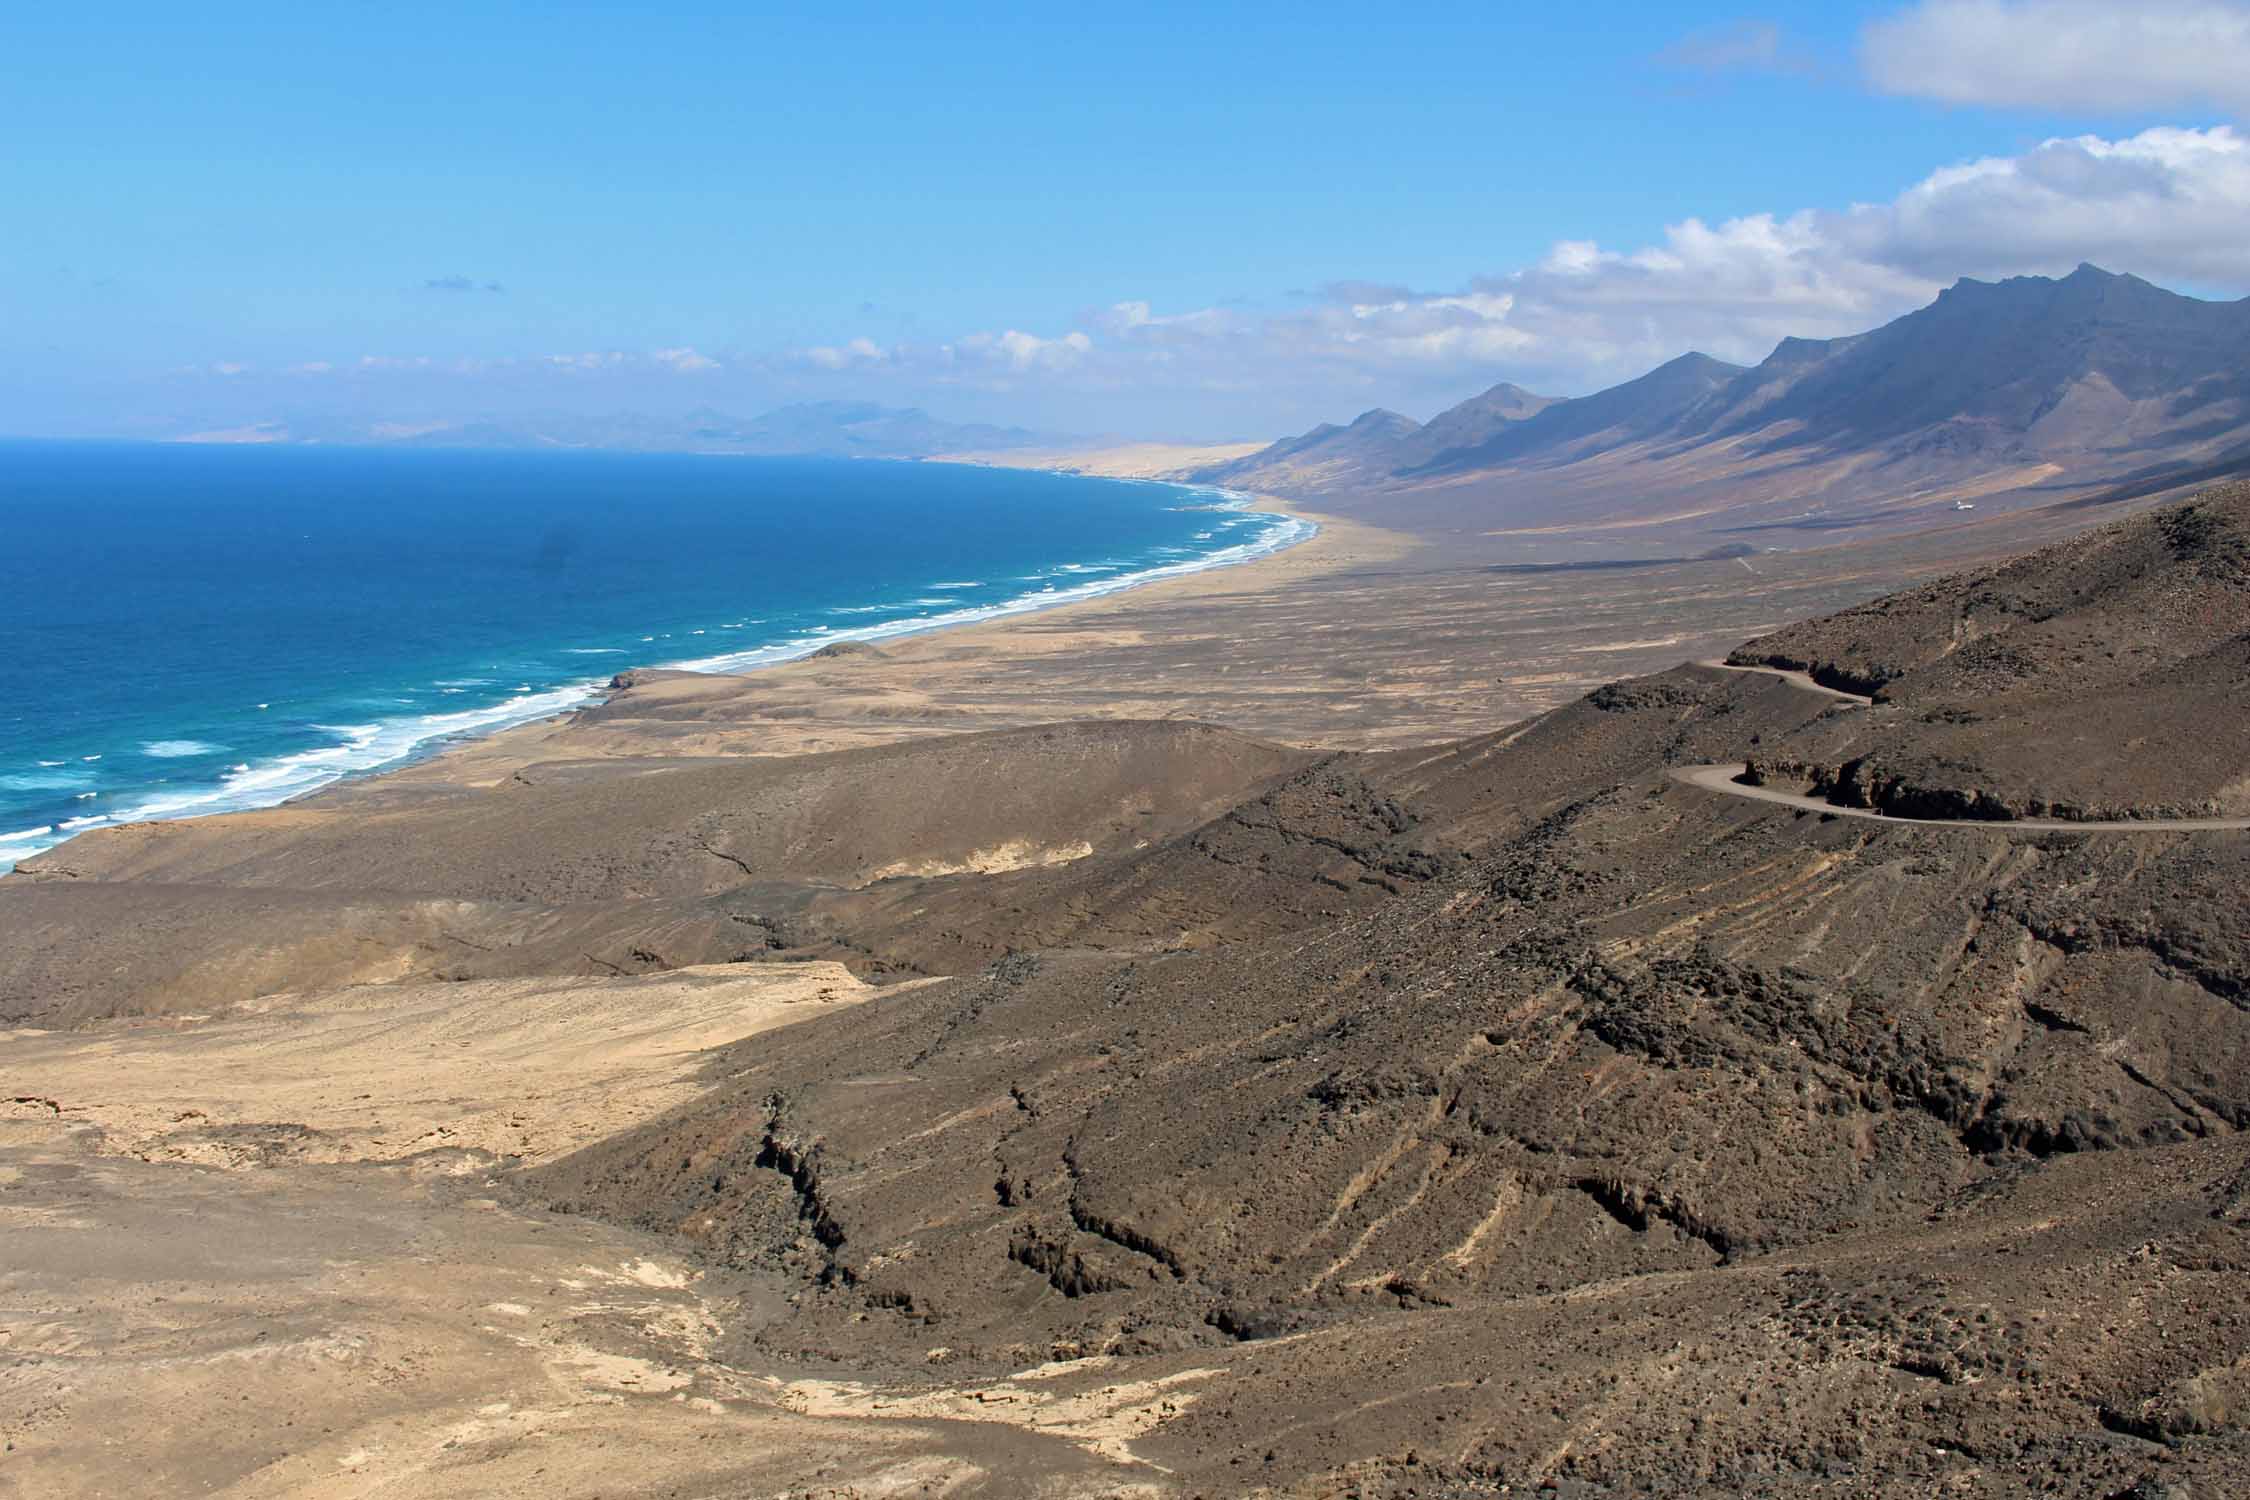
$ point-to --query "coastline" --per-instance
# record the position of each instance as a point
(1356, 637)
(705, 712)
(421, 746)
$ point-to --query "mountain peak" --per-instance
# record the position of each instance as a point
(2044, 368)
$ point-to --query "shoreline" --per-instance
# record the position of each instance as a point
(558, 704)
(486, 759)
(1147, 583)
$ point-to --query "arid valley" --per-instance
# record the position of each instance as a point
(975, 1065)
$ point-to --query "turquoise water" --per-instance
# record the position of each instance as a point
(198, 630)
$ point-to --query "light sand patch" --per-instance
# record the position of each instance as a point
(1105, 1421)
(1015, 854)
(623, 1372)
(294, 1333)
(1118, 461)
(507, 1069)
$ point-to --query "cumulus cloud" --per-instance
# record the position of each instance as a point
(2171, 204)
(2166, 203)
(2071, 54)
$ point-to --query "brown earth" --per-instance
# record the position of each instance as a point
(2107, 677)
(1302, 1116)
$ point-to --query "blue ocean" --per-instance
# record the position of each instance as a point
(205, 629)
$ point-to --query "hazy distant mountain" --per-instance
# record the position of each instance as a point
(836, 429)
(1331, 454)
(2027, 388)
(1623, 413)
(857, 428)
(1473, 423)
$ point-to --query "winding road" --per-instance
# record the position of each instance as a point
(1721, 778)
(1794, 679)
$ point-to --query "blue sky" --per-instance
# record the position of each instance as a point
(1181, 221)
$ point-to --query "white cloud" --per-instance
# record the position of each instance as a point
(2164, 203)
(2171, 204)
(1020, 352)
(2070, 54)
(685, 361)
(855, 354)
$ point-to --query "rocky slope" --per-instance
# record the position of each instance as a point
(587, 867)
(1639, 1139)
(2106, 677)
(1495, 1117)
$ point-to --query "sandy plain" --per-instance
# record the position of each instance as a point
(1360, 638)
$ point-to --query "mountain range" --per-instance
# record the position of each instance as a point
(2028, 389)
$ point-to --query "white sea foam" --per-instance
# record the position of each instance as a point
(179, 749)
(1275, 534)
(71, 823)
(599, 650)
(358, 747)
(956, 585)
(365, 747)
(53, 763)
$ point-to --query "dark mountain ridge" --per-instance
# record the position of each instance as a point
(1995, 386)
(1638, 409)
(1475, 421)
(2007, 356)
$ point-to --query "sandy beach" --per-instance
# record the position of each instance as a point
(1360, 638)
